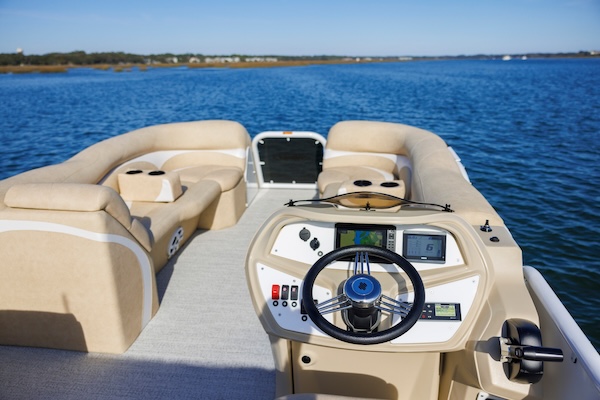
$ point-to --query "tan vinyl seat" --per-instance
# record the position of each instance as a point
(357, 150)
(81, 241)
(366, 150)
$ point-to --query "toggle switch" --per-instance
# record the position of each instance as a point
(285, 292)
(275, 292)
(294, 293)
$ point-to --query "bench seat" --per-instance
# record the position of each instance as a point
(81, 241)
(418, 160)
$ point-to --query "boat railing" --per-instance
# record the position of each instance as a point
(559, 329)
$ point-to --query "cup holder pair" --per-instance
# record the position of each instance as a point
(139, 171)
(366, 183)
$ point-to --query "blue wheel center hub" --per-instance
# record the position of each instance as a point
(362, 290)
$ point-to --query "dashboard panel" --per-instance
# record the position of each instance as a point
(424, 246)
(430, 250)
(289, 314)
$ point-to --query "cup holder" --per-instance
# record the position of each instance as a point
(390, 184)
(153, 173)
(134, 171)
(362, 183)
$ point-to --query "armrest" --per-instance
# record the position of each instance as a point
(75, 197)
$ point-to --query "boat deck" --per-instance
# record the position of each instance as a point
(204, 342)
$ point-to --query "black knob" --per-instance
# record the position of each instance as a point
(304, 234)
(314, 244)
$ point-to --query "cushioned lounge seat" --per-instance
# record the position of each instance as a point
(380, 151)
(81, 241)
(356, 150)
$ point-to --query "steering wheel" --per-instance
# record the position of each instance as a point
(362, 292)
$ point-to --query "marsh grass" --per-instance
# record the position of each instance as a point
(27, 69)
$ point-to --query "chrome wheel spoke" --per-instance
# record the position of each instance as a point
(334, 304)
(394, 306)
(361, 262)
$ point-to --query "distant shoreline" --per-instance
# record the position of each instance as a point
(25, 68)
(125, 67)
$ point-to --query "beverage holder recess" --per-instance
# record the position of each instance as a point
(152, 186)
(392, 187)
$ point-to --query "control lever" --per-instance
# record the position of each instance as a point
(510, 352)
(522, 352)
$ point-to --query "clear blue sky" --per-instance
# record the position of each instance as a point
(300, 27)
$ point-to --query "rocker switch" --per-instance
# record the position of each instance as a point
(285, 292)
(275, 292)
(294, 293)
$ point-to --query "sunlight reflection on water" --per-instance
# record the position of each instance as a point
(528, 132)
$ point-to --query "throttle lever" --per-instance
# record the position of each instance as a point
(511, 352)
(522, 353)
(536, 353)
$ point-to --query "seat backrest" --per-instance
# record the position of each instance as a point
(167, 146)
(170, 147)
(434, 175)
(377, 146)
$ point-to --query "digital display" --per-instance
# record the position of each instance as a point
(445, 310)
(366, 235)
(441, 312)
(424, 247)
(349, 237)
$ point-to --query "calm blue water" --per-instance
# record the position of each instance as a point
(527, 131)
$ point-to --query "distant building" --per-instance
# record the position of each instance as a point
(221, 60)
(261, 59)
(194, 60)
(19, 51)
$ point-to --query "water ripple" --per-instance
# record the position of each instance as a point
(528, 133)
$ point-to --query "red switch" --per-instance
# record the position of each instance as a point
(275, 292)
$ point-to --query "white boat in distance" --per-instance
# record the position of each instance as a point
(187, 261)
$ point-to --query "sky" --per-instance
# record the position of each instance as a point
(301, 27)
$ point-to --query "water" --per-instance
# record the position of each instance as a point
(527, 131)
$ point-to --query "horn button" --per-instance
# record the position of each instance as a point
(362, 290)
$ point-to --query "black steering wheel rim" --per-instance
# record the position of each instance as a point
(364, 338)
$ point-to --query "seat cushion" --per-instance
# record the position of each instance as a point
(331, 179)
(226, 177)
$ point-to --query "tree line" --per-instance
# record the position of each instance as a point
(73, 58)
(83, 58)
(115, 58)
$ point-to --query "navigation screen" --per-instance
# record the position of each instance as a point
(424, 247)
(367, 235)
(349, 237)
